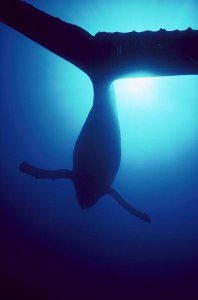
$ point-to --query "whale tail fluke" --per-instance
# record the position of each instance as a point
(38, 173)
(128, 207)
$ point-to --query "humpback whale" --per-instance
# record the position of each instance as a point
(96, 155)
(104, 58)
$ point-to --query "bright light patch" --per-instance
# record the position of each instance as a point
(158, 118)
(134, 90)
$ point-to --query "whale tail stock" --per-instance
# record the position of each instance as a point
(38, 173)
(128, 207)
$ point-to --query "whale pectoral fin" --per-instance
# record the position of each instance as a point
(44, 174)
(128, 207)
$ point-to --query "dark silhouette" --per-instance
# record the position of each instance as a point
(96, 156)
(104, 58)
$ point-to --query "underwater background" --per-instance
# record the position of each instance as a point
(49, 247)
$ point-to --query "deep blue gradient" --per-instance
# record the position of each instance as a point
(49, 246)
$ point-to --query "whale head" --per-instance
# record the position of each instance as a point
(87, 191)
(86, 199)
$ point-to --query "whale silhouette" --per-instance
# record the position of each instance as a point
(97, 152)
(96, 156)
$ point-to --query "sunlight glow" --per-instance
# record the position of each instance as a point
(158, 118)
(135, 90)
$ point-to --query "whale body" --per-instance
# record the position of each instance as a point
(96, 155)
(97, 151)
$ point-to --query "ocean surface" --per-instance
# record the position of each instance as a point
(49, 247)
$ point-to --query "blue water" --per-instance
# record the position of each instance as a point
(51, 248)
